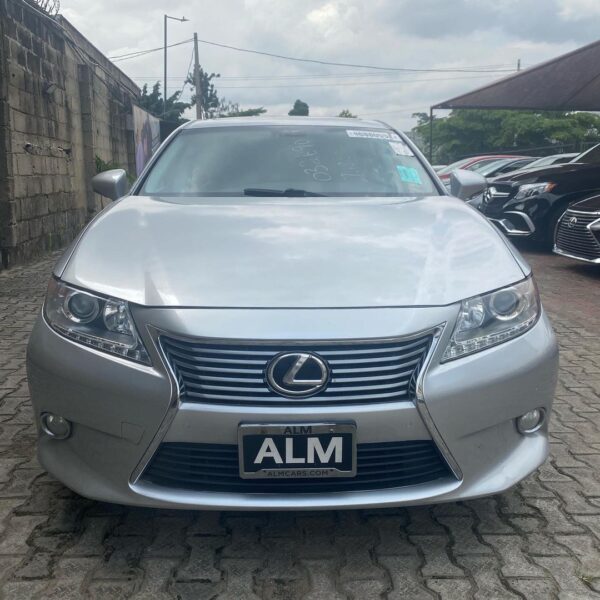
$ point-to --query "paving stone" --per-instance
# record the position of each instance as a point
(201, 562)
(322, 579)
(451, 589)
(239, 578)
(485, 570)
(514, 561)
(568, 575)
(406, 580)
(437, 561)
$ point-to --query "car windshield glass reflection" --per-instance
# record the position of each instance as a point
(591, 156)
(295, 161)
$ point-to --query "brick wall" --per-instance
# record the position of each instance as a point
(62, 104)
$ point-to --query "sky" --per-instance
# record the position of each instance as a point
(470, 42)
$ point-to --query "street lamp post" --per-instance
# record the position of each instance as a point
(182, 20)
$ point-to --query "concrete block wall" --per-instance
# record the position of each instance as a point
(62, 103)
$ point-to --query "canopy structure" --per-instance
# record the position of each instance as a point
(568, 82)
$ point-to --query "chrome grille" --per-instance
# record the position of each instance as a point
(575, 238)
(364, 371)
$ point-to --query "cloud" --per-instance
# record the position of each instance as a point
(404, 33)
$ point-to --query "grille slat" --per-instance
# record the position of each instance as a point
(188, 466)
(277, 400)
(363, 371)
(577, 239)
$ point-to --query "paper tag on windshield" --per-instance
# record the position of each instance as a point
(409, 175)
(373, 135)
(401, 149)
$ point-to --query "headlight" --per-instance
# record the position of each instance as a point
(533, 189)
(102, 323)
(494, 318)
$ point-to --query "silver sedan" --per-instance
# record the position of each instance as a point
(290, 314)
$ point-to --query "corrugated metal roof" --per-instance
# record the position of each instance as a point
(568, 82)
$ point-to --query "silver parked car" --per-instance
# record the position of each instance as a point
(290, 314)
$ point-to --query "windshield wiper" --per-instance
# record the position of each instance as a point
(273, 192)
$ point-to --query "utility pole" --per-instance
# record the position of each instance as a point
(518, 64)
(182, 20)
(165, 71)
(197, 81)
(430, 134)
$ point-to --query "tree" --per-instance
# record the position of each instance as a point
(215, 107)
(300, 109)
(347, 114)
(211, 103)
(468, 132)
(154, 104)
(247, 112)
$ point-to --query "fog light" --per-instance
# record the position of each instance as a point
(531, 421)
(56, 427)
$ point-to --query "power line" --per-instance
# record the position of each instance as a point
(476, 69)
(352, 65)
(346, 83)
(297, 77)
(185, 81)
(122, 57)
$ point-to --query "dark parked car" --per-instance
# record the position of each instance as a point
(553, 159)
(529, 203)
(578, 231)
(504, 165)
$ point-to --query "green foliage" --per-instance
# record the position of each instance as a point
(347, 114)
(102, 165)
(466, 132)
(236, 111)
(212, 105)
(300, 109)
(154, 104)
(215, 107)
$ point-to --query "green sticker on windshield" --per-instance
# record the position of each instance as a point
(409, 175)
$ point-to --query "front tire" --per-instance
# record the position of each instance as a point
(549, 229)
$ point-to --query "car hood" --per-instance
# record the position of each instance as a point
(291, 252)
(540, 173)
(588, 205)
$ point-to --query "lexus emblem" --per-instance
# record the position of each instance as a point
(572, 222)
(297, 374)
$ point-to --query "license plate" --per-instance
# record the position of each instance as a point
(297, 450)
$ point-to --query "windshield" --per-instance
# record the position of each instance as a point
(544, 162)
(459, 164)
(489, 167)
(268, 160)
(591, 156)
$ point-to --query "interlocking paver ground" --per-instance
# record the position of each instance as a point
(539, 540)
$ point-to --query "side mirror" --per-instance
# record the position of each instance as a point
(113, 184)
(464, 184)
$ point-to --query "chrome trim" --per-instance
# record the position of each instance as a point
(172, 409)
(523, 216)
(289, 379)
(423, 410)
(506, 226)
(175, 401)
(583, 212)
(592, 261)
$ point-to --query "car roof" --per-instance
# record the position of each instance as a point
(310, 121)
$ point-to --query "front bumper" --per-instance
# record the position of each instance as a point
(121, 411)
